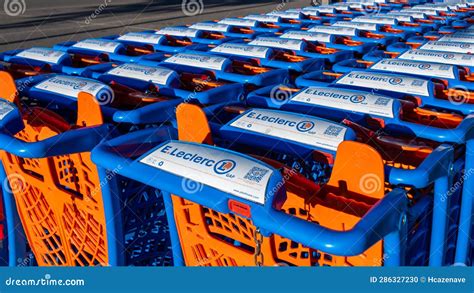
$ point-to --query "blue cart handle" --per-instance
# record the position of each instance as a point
(72, 141)
(383, 219)
(432, 168)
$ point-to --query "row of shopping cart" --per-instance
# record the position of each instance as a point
(337, 135)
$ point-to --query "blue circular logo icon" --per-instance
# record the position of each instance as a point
(448, 56)
(424, 66)
(395, 80)
(357, 99)
(305, 126)
(80, 85)
(224, 166)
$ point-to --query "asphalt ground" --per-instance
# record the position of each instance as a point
(27, 23)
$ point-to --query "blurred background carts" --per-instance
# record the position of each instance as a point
(212, 230)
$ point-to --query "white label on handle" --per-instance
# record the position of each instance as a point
(206, 26)
(97, 45)
(147, 38)
(286, 14)
(302, 129)
(414, 14)
(71, 86)
(379, 20)
(360, 102)
(403, 84)
(399, 17)
(42, 54)
(440, 57)
(5, 108)
(309, 36)
(146, 73)
(239, 22)
(288, 44)
(458, 38)
(334, 30)
(358, 25)
(416, 67)
(196, 60)
(264, 17)
(431, 12)
(321, 9)
(200, 164)
(178, 32)
(242, 50)
(447, 46)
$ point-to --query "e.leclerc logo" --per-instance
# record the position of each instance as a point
(424, 66)
(357, 99)
(224, 166)
(395, 80)
(305, 126)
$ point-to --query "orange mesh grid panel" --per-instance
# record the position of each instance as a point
(60, 204)
(209, 238)
(58, 198)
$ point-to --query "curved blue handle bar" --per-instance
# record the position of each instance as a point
(431, 169)
(153, 113)
(383, 219)
(72, 141)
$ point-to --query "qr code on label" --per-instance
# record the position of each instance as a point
(333, 130)
(256, 174)
(382, 101)
(417, 83)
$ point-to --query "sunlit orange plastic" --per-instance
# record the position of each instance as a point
(20, 70)
(59, 200)
(207, 238)
(333, 74)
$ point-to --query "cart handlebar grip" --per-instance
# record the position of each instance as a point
(382, 219)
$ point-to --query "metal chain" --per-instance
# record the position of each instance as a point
(258, 256)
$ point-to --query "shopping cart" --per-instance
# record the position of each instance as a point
(195, 35)
(103, 50)
(399, 118)
(452, 76)
(39, 60)
(196, 85)
(225, 231)
(61, 203)
(151, 41)
(428, 92)
(275, 53)
(234, 69)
